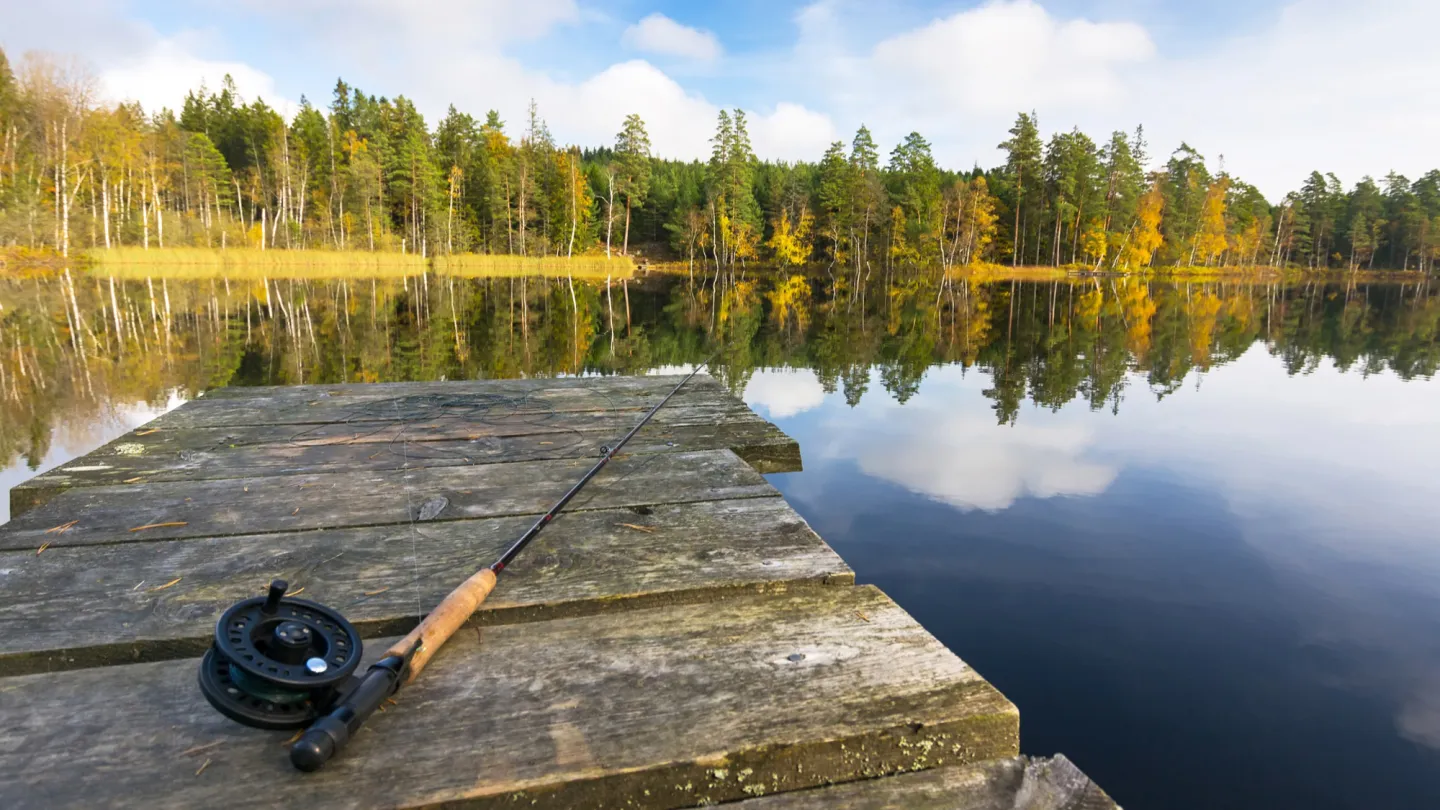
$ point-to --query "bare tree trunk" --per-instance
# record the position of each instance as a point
(626, 249)
(574, 211)
(115, 311)
(65, 198)
(159, 215)
(450, 219)
(523, 213)
(509, 225)
(1019, 198)
(105, 204)
(609, 208)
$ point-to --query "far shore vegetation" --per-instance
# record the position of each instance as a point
(230, 182)
(470, 265)
(252, 260)
(301, 263)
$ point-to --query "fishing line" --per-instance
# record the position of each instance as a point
(280, 662)
(410, 519)
(639, 466)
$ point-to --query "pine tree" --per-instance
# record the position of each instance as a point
(834, 194)
(632, 151)
(1022, 167)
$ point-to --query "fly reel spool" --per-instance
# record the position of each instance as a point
(279, 663)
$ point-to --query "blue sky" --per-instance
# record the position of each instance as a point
(1278, 87)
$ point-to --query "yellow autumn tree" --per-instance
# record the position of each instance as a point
(980, 221)
(790, 300)
(1145, 237)
(1211, 241)
(1087, 311)
(744, 241)
(900, 250)
(1138, 309)
(1247, 243)
(791, 244)
(739, 297)
(1093, 241)
(1202, 309)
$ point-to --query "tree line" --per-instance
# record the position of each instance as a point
(368, 172)
(72, 344)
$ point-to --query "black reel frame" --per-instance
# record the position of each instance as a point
(279, 663)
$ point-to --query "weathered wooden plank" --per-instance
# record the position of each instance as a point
(187, 509)
(192, 443)
(1016, 783)
(307, 404)
(100, 605)
(617, 383)
(206, 454)
(665, 707)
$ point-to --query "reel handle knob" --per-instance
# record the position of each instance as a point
(272, 599)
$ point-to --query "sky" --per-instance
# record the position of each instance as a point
(1273, 88)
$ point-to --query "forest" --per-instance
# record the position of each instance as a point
(368, 173)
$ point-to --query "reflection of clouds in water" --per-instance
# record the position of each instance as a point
(1298, 458)
(1419, 718)
(659, 371)
(1333, 479)
(941, 445)
(76, 438)
(781, 393)
(970, 462)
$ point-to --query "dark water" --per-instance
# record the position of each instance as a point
(1190, 529)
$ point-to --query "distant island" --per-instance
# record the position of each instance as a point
(369, 174)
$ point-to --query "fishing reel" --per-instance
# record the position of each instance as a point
(283, 663)
(279, 663)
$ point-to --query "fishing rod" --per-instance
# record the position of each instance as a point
(278, 662)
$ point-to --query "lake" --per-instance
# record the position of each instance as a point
(1189, 528)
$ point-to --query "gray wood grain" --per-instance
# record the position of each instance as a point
(666, 707)
(303, 404)
(1018, 783)
(72, 607)
(108, 514)
(208, 454)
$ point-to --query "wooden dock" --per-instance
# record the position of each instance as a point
(680, 637)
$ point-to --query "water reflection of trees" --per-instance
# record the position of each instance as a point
(74, 345)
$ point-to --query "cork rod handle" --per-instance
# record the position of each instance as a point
(444, 620)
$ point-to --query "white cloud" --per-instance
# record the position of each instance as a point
(160, 76)
(660, 34)
(1304, 94)
(588, 109)
(1004, 53)
(677, 121)
(1263, 98)
(792, 132)
(433, 26)
(1301, 89)
(132, 61)
(782, 393)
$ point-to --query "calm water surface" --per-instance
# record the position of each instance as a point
(1190, 529)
